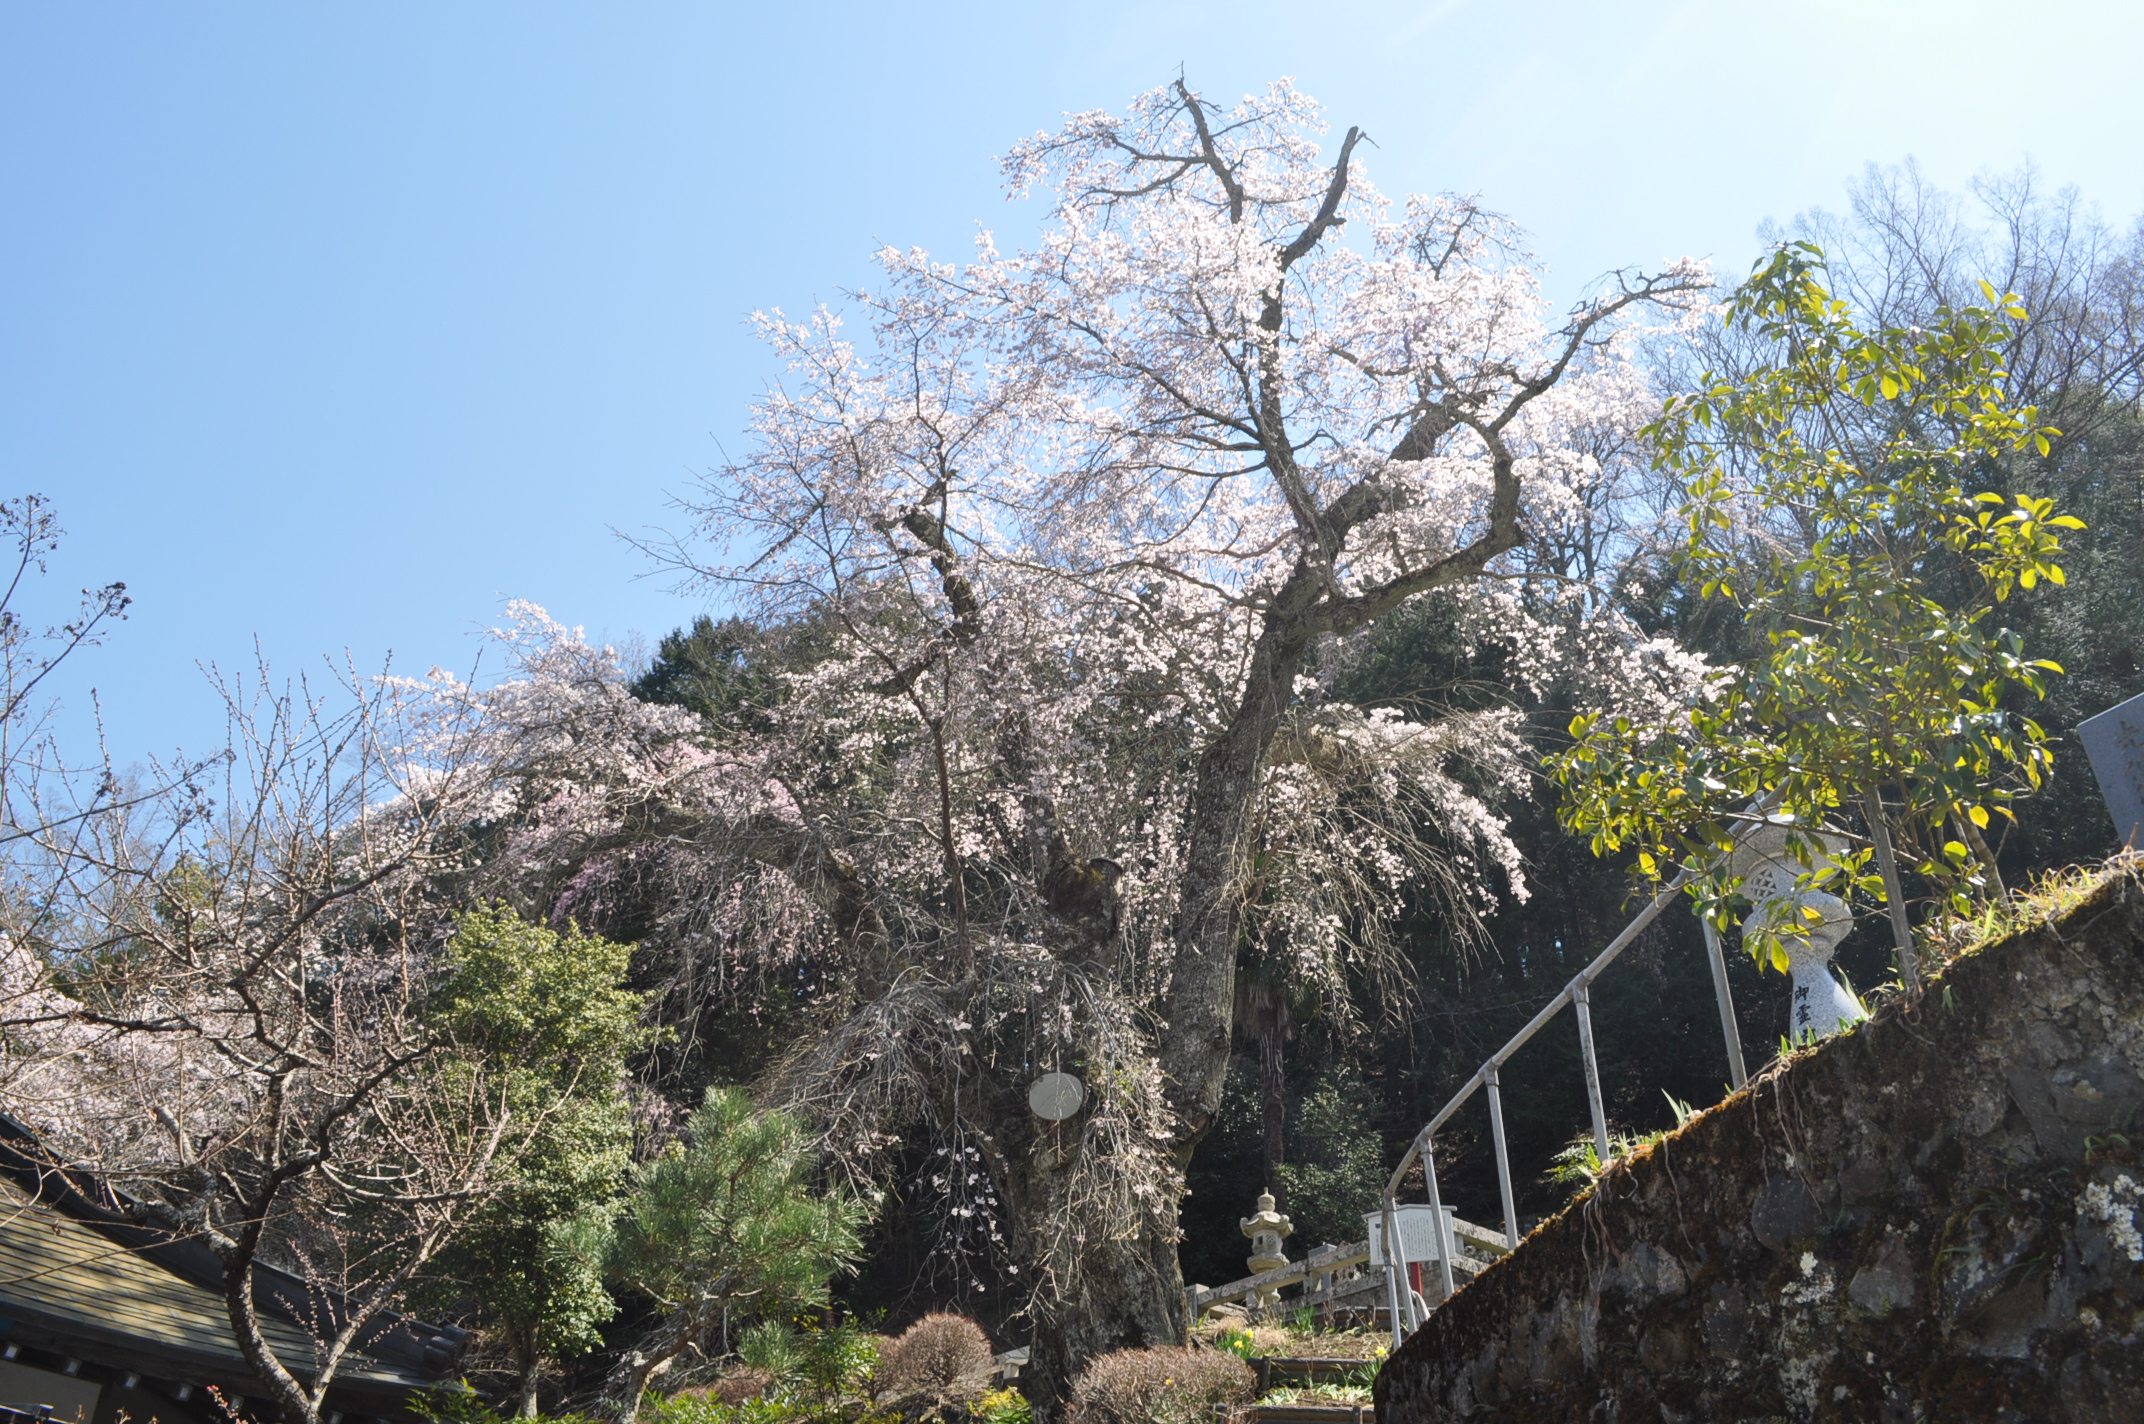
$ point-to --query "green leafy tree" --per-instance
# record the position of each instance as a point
(730, 672)
(1827, 497)
(725, 1227)
(1338, 1170)
(549, 1011)
(1907, 246)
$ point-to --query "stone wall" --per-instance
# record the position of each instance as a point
(1934, 1216)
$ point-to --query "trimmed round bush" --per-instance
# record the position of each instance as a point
(942, 1355)
(1166, 1386)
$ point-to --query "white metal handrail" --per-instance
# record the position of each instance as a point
(1402, 1300)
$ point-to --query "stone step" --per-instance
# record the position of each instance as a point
(1294, 1414)
(1271, 1369)
(1309, 1366)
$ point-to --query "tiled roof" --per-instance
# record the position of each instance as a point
(72, 1275)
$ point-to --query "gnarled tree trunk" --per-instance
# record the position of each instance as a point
(1117, 1286)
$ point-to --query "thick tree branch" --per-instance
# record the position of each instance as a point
(1328, 213)
(1210, 153)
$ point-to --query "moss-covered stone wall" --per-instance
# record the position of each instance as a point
(1934, 1216)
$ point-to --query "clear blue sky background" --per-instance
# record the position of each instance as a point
(335, 324)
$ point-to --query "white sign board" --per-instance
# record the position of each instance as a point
(2114, 740)
(1055, 1096)
(1418, 1234)
(73, 1401)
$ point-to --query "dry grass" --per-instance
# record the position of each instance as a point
(2052, 896)
(1159, 1387)
(1282, 1339)
(733, 1388)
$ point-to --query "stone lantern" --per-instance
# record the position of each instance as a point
(1266, 1228)
(1809, 923)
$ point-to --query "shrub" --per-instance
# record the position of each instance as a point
(837, 1360)
(1166, 1386)
(705, 1406)
(946, 1356)
(1002, 1406)
(769, 1349)
(458, 1404)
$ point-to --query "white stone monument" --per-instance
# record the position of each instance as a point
(2114, 741)
(1266, 1228)
(1809, 923)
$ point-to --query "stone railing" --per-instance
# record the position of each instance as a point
(1323, 1273)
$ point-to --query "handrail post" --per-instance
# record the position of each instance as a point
(1581, 995)
(1388, 1224)
(1578, 994)
(1503, 1160)
(1436, 1219)
(1729, 1029)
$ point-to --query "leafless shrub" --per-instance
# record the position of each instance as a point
(943, 1355)
(1159, 1387)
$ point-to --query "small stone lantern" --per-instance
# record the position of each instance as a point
(1266, 1227)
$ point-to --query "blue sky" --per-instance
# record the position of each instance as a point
(332, 326)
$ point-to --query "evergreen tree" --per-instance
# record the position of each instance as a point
(725, 1227)
(520, 994)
